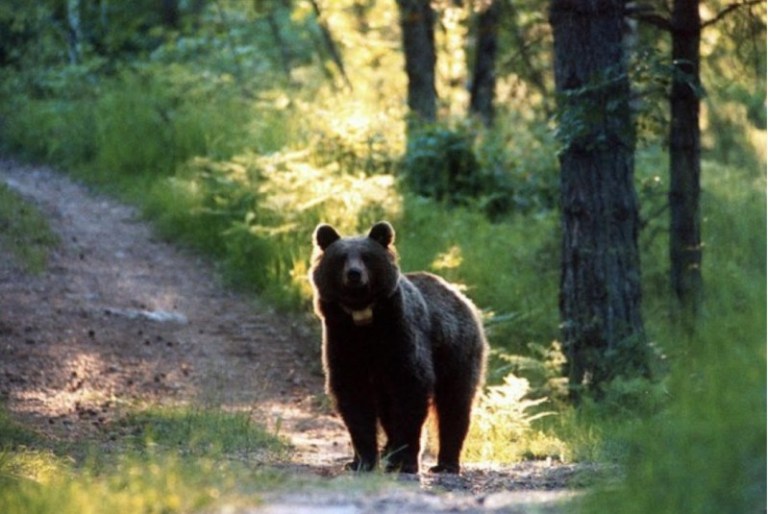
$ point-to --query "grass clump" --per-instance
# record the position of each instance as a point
(156, 485)
(202, 432)
(160, 460)
(24, 231)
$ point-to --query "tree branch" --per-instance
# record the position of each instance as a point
(732, 7)
(647, 14)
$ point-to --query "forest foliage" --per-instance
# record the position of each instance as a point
(238, 126)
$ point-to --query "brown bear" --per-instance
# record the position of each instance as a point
(394, 344)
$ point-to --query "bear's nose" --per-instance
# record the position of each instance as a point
(354, 276)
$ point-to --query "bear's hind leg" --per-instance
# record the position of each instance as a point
(453, 406)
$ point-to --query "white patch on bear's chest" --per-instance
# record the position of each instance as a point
(361, 317)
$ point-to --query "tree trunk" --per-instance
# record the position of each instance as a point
(600, 293)
(484, 71)
(684, 159)
(417, 23)
(169, 12)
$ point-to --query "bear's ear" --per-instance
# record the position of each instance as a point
(325, 235)
(383, 233)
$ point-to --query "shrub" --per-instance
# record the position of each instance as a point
(502, 428)
(440, 163)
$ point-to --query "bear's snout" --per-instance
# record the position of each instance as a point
(354, 274)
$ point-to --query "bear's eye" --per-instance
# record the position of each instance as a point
(335, 261)
(367, 258)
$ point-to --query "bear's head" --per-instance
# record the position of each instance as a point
(355, 272)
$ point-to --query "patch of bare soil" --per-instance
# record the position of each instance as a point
(120, 318)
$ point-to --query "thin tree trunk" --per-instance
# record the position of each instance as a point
(330, 44)
(600, 295)
(75, 31)
(483, 87)
(417, 23)
(685, 159)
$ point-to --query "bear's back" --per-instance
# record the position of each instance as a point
(453, 318)
(456, 333)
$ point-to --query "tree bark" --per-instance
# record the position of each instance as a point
(600, 292)
(483, 87)
(685, 159)
(417, 23)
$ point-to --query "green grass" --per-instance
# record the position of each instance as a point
(161, 460)
(201, 432)
(24, 231)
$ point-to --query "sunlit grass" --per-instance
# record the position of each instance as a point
(201, 432)
(132, 484)
(161, 460)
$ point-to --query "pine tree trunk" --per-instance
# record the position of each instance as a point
(685, 159)
(484, 70)
(417, 23)
(600, 295)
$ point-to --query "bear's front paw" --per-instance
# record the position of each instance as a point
(358, 465)
(445, 468)
(400, 467)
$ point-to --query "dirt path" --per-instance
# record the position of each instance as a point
(120, 317)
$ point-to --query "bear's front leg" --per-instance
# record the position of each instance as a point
(359, 415)
(402, 458)
(402, 417)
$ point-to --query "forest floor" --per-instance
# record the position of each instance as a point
(120, 317)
